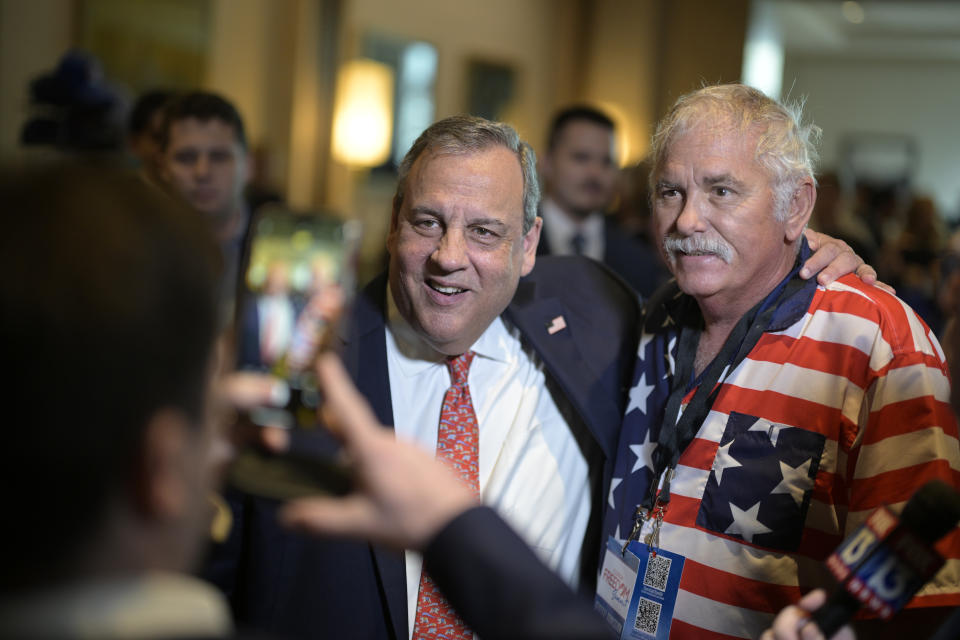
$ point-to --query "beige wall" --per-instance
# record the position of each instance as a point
(701, 42)
(267, 57)
(33, 36)
(519, 33)
(620, 71)
(854, 97)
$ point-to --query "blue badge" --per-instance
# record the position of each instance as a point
(637, 590)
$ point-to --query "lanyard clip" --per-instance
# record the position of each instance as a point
(657, 511)
(653, 538)
(663, 496)
(639, 516)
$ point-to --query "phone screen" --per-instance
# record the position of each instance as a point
(298, 277)
(299, 274)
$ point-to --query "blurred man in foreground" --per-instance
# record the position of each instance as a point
(109, 319)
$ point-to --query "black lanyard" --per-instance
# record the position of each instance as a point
(676, 434)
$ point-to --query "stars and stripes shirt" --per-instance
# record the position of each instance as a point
(841, 406)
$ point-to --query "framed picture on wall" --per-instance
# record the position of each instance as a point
(147, 44)
(490, 88)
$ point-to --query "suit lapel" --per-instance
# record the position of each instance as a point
(561, 353)
(365, 355)
(365, 349)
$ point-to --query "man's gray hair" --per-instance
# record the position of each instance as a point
(785, 146)
(469, 134)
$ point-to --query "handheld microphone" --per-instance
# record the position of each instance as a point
(886, 561)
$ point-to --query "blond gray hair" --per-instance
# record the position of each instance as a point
(785, 146)
(468, 134)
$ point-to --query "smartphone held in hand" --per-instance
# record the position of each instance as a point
(298, 280)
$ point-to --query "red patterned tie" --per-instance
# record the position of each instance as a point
(457, 446)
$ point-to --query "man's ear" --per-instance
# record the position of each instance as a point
(394, 223)
(800, 208)
(160, 483)
(395, 213)
(530, 242)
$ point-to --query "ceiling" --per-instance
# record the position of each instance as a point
(887, 29)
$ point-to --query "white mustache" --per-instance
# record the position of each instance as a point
(697, 244)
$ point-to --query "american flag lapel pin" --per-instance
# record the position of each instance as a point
(555, 325)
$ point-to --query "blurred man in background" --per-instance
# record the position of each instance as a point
(204, 160)
(580, 170)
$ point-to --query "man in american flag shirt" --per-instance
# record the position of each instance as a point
(828, 402)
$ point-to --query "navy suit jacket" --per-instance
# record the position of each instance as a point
(628, 256)
(290, 585)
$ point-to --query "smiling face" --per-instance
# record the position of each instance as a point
(713, 207)
(457, 247)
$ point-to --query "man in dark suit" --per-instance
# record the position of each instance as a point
(580, 172)
(554, 347)
(492, 578)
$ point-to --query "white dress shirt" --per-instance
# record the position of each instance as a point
(276, 316)
(560, 229)
(531, 469)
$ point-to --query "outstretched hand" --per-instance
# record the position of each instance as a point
(403, 497)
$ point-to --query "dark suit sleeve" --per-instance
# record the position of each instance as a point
(500, 588)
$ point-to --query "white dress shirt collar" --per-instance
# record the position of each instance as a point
(560, 228)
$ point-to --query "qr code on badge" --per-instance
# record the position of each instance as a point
(648, 616)
(658, 570)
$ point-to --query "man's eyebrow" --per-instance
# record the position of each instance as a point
(723, 178)
(663, 183)
(487, 222)
(420, 209)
